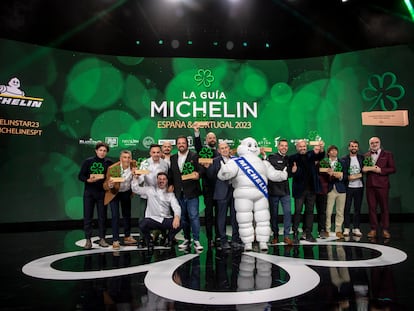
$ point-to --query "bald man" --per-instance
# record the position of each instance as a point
(208, 184)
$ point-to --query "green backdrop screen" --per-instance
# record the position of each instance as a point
(55, 105)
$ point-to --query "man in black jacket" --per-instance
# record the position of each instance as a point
(279, 192)
(305, 185)
(184, 176)
(94, 192)
(208, 184)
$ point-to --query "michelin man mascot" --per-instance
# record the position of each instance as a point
(249, 174)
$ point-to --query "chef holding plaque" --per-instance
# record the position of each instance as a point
(150, 167)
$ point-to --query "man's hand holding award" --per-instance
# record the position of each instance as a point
(337, 170)
(369, 165)
(116, 174)
(143, 165)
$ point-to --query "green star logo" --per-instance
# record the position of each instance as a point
(383, 91)
(97, 168)
(188, 168)
(204, 76)
(206, 153)
(324, 163)
(368, 161)
(338, 167)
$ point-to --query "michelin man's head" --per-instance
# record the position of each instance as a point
(14, 82)
(248, 146)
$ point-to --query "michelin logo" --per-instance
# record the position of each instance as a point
(11, 94)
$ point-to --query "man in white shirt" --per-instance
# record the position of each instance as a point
(158, 212)
(154, 164)
(166, 148)
(355, 189)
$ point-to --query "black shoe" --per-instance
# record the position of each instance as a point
(310, 238)
(167, 243)
(150, 245)
(140, 244)
(237, 245)
(225, 245)
(295, 238)
(303, 237)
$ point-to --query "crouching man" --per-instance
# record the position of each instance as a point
(158, 211)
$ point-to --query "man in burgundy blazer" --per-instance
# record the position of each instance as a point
(377, 186)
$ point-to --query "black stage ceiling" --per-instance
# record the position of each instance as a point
(246, 29)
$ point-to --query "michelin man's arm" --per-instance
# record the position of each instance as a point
(227, 170)
(274, 174)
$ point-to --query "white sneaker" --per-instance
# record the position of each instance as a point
(356, 232)
(185, 244)
(346, 232)
(263, 246)
(248, 247)
(198, 246)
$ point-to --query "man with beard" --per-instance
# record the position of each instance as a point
(354, 188)
(305, 185)
(378, 186)
(187, 190)
(166, 148)
(208, 184)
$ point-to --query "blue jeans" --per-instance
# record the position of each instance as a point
(123, 199)
(287, 214)
(190, 220)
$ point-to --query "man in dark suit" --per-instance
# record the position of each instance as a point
(305, 185)
(354, 163)
(208, 184)
(223, 195)
(378, 185)
(187, 191)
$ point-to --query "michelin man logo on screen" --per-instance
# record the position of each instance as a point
(11, 94)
